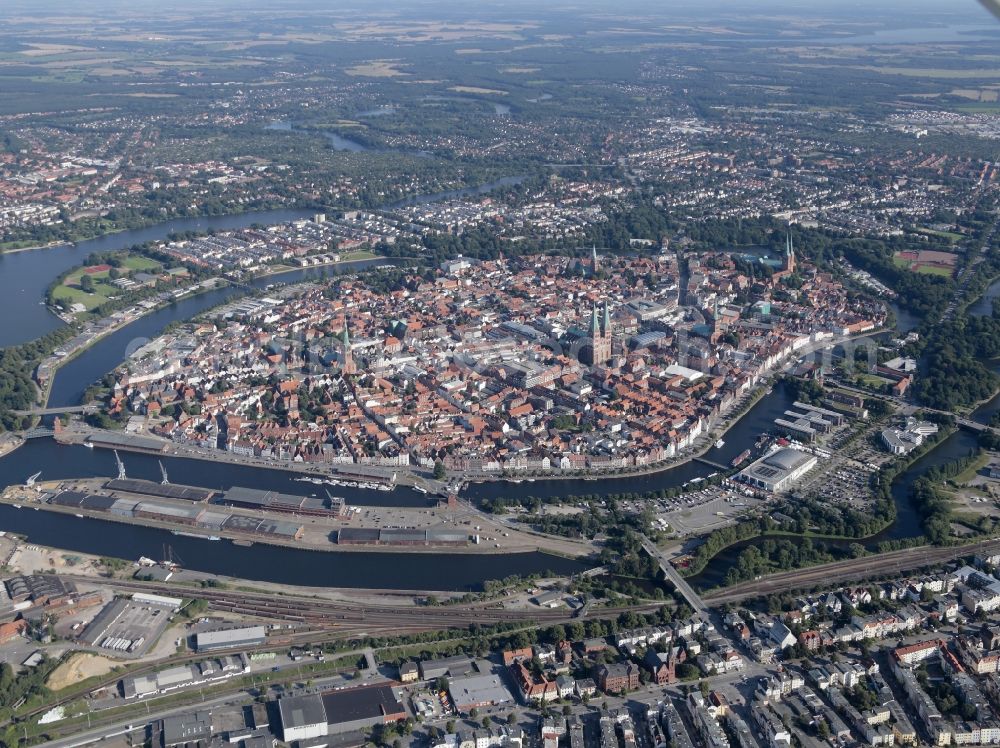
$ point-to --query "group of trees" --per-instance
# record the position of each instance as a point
(17, 363)
(777, 554)
(28, 684)
(953, 374)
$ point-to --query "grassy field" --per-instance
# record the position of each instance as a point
(949, 235)
(70, 292)
(138, 263)
(873, 381)
(925, 269)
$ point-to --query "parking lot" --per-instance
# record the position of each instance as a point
(703, 509)
(127, 628)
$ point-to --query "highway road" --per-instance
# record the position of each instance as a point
(681, 585)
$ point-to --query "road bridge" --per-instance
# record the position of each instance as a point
(56, 411)
(681, 585)
(39, 433)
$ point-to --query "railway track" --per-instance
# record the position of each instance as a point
(311, 610)
(846, 571)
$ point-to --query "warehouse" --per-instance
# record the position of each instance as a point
(358, 536)
(477, 691)
(273, 501)
(168, 513)
(127, 441)
(447, 666)
(162, 490)
(311, 717)
(400, 536)
(302, 718)
(263, 527)
(249, 636)
(778, 470)
(356, 708)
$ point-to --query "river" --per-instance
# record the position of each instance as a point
(56, 461)
(25, 275)
(281, 565)
(337, 142)
(983, 306)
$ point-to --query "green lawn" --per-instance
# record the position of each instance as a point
(949, 235)
(873, 381)
(141, 264)
(73, 295)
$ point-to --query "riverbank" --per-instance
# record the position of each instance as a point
(55, 363)
(904, 526)
(34, 247)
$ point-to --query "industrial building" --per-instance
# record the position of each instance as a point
(400, 536)
(189, 515)
(312, 717)
(446, 666)
(273, 501)
(355, 708)
(184, 676)
(900, 441)
(185, 729)
(248, 636)
(778, 470)
(477, 691)
(162, 490)
(807, 422)
(109, 440)
(302, 718)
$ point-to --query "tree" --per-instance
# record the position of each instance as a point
(87, 284)
(439, 470)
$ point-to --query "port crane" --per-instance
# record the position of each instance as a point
(31, 479)
(163, 472)
(121, 466)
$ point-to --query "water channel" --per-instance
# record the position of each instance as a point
(25, 275)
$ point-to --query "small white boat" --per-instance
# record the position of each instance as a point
(720, 444)
(88, 445)
(78, 515)
(17, 506)
(420, 489)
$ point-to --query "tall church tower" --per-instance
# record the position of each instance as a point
(593, 259)
(600, 337)
(347, 361)
(789, 266)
